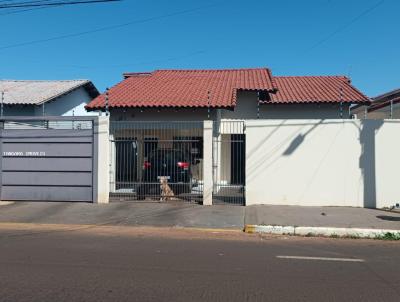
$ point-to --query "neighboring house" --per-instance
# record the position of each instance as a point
(46, 98)
(228, 94)
(384, 106)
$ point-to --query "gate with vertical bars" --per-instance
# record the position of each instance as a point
(229, 162)
(156, 161)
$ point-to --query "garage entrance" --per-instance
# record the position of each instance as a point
(47, 159)
(151, 159)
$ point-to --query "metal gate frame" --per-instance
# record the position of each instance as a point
(229, 162)
(154, 145)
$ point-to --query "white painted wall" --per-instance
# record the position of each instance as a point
(101, 160)
(207, 164)
(323, 162)
(68, 105)
(387, 154)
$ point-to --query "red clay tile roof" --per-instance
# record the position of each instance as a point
(185, 88)
(316, 89)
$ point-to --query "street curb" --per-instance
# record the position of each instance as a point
(319, 231)
(69, 227)
(269, 229)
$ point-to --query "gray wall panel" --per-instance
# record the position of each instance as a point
(46, 164)
(47, 193)
(47, 135)
(47, 178)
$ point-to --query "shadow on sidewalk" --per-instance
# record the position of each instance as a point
(389, 218)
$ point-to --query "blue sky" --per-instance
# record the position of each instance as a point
(357, 38)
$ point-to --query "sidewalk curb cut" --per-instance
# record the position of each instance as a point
(319, 231)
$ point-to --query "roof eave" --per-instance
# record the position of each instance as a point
(87, 85)
(386, 95)
(277, 102)
(102, 108)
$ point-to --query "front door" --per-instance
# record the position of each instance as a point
(237, 159)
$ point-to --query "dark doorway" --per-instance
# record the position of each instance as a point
(238, 159)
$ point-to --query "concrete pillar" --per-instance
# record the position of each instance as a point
(207, 162)
(101, 160)
(112, 164)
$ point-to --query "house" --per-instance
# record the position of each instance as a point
(384, 106)
(166, 110)
(46, 98)
(228, 93)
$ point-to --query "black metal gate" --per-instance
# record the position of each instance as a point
(156, 161)
(229, 162)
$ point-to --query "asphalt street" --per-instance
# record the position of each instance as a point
(148, 264)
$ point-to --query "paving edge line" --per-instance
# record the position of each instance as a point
(319, 231)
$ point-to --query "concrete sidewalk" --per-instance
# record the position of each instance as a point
(178, 214)
(339, 217)
(323, 221)
(192, 215)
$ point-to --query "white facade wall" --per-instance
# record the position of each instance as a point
(323, 162)
(101, 160)
(208, 164)
(71, 104)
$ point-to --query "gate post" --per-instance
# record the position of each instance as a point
(101, 160)
(207, 162)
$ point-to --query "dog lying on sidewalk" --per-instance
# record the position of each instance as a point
(166, 191)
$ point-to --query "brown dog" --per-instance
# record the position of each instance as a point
(166, 191)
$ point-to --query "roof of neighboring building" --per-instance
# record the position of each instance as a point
(185, 88)
(387, 96)
(384, 100)
(316, 89)
(32, 92)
